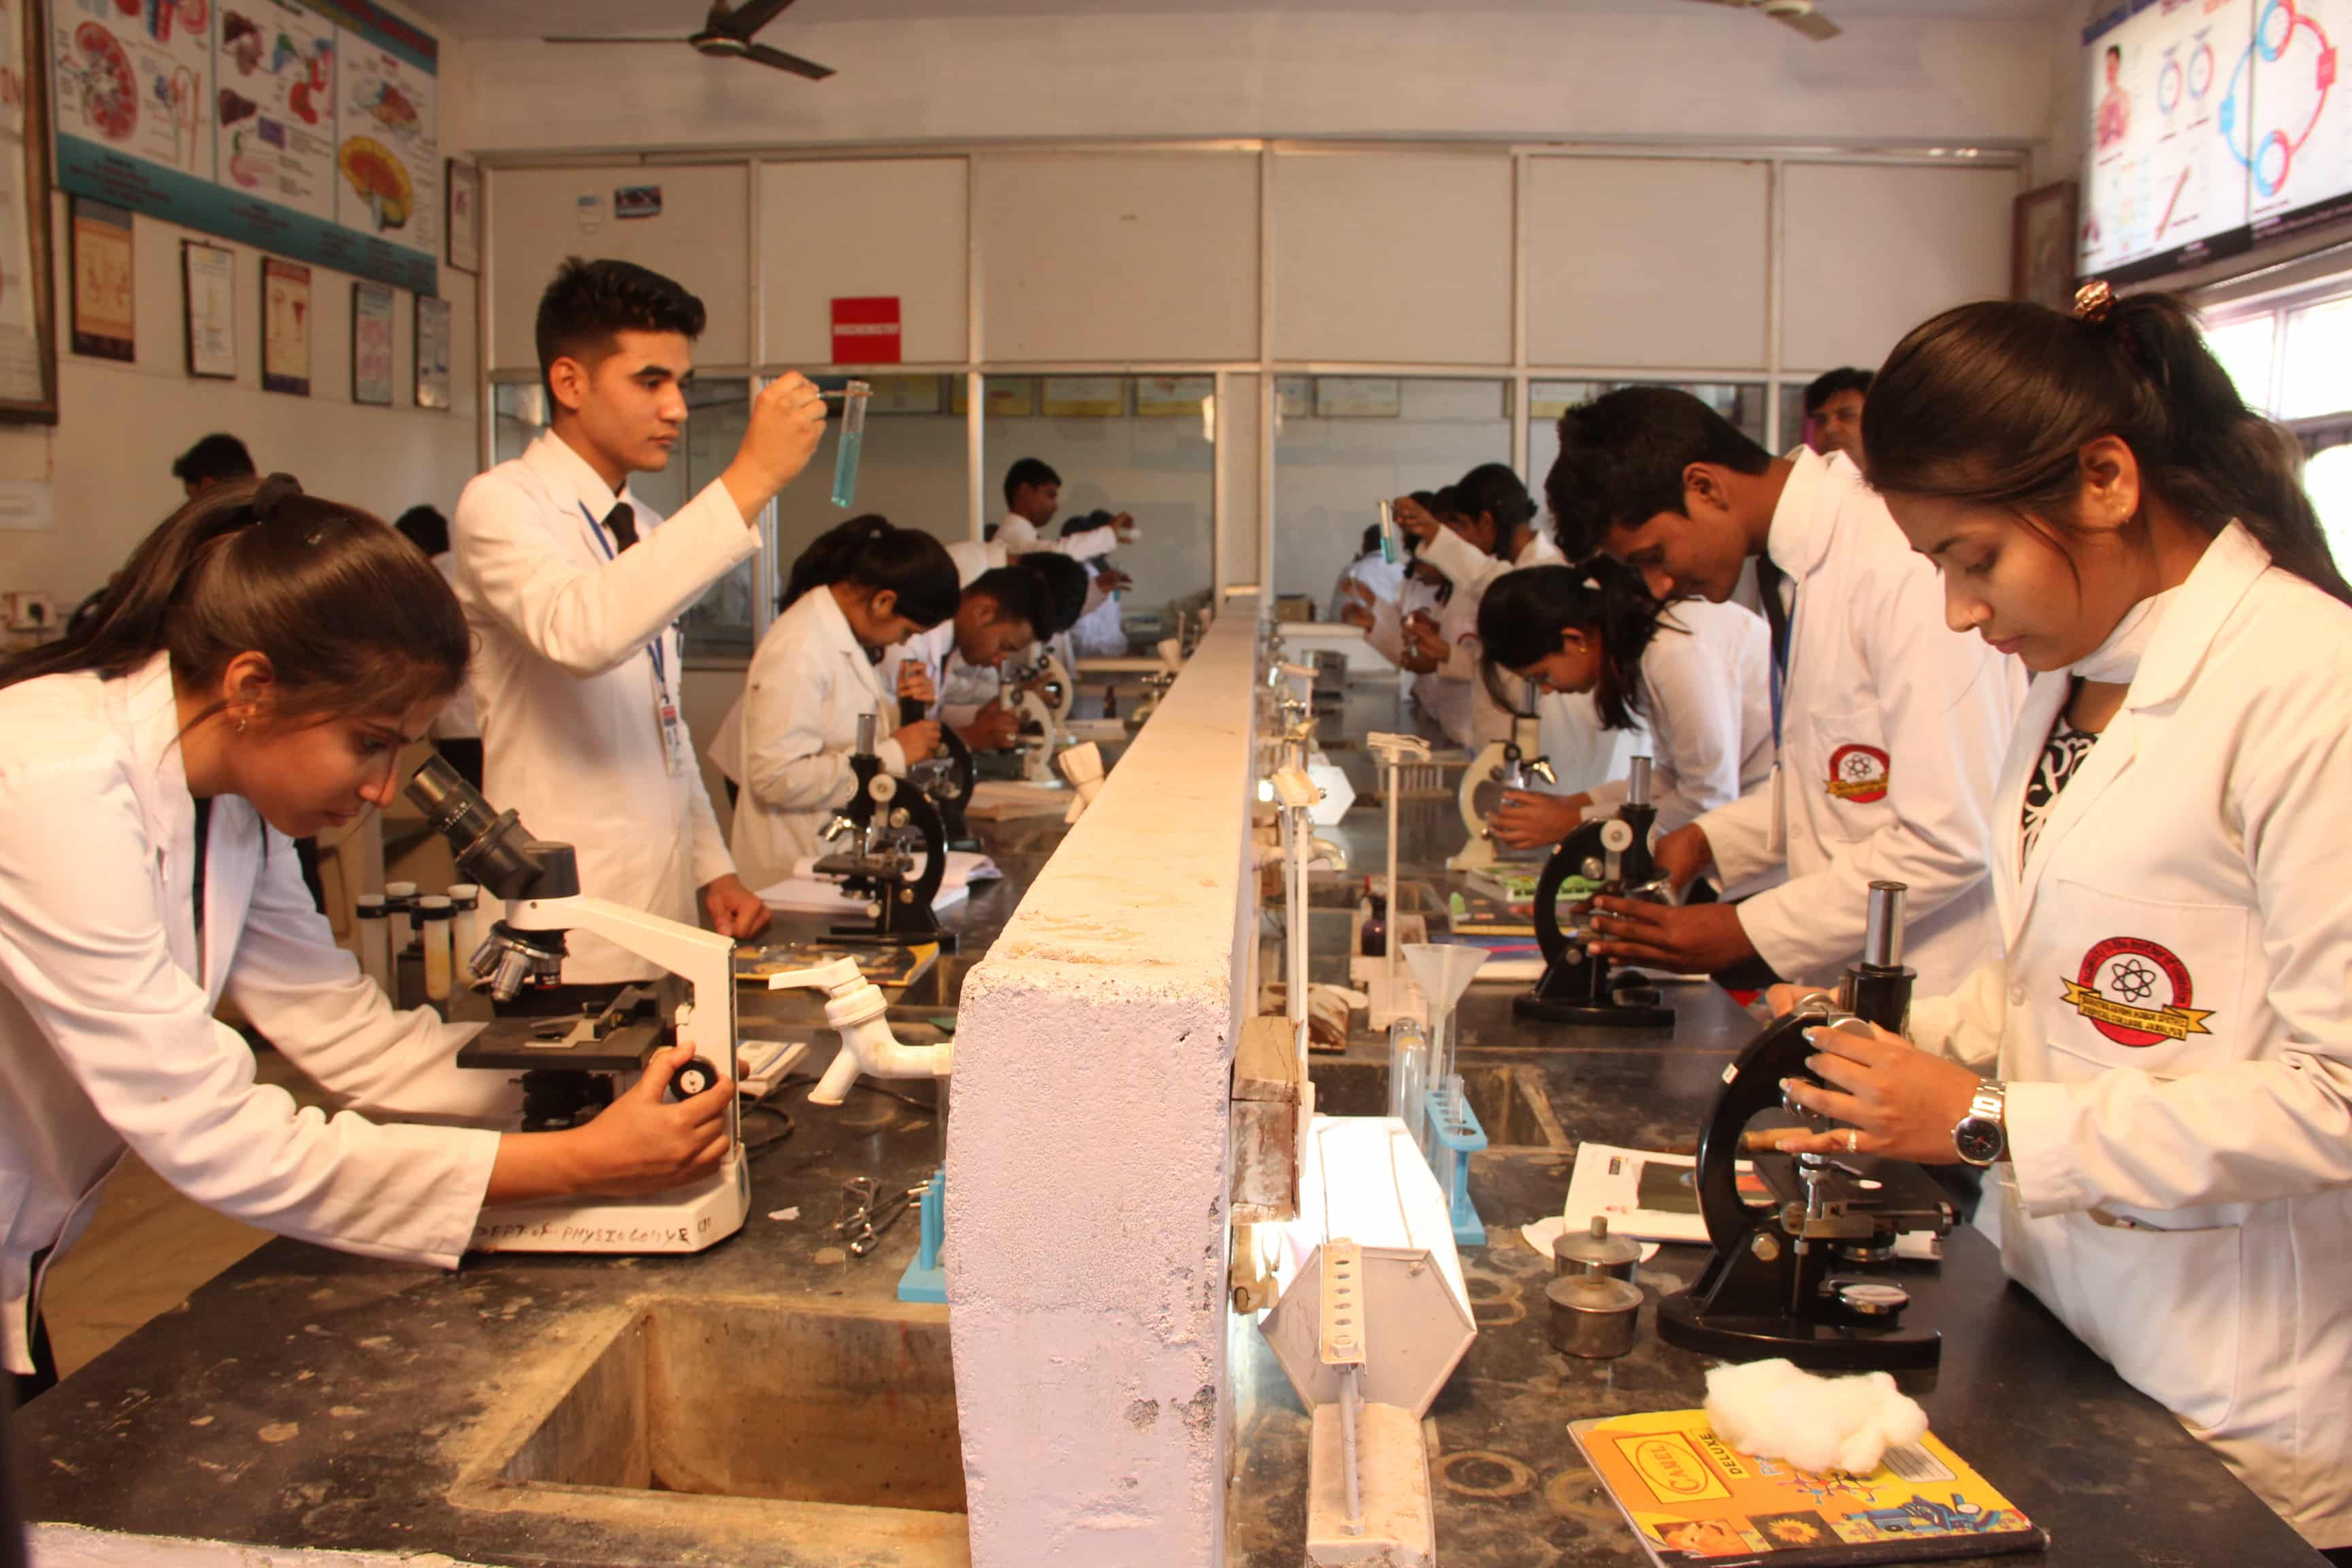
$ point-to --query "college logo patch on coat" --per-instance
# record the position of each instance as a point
(1858, 773)
(2135, 992)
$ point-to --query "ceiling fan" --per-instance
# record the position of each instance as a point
(726, 34)
(1797, 13)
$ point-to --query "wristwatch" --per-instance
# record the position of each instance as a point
(1982, 1135)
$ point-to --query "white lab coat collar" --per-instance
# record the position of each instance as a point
(2191, 618)
(567, 473)
(2194, 616)
(1540, 550)
(833, 629)
(1802, 521)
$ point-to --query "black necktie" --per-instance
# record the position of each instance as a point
(622, 520)
(1769, 579)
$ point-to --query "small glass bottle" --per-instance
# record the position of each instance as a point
(434, 930)
(376, 942)
(1376, 922)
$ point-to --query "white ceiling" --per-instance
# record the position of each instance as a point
(531, 18)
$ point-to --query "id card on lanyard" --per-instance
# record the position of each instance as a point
(668, 725)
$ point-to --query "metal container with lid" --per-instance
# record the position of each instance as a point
(1592, 1316)
(1596, 1252)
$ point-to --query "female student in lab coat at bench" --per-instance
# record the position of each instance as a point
(2167, 1045)
(252, 679)
(860, 588)
(1695, 672)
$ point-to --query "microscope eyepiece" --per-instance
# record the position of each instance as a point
(493, 848)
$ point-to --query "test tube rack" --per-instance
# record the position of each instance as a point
(1454, 1135)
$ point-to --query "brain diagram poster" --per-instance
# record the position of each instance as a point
(302, 127)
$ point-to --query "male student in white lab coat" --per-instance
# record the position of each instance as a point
(1033, 495)
(574, 588)
(1890, 727)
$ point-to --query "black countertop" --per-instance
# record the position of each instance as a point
(309, 1398)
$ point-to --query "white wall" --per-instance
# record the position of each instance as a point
(1664, 70)
(120, 426)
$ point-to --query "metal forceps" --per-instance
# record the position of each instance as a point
(867, 1213)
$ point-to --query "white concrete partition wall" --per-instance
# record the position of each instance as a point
(1086, 1158)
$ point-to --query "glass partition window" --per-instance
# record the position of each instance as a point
(1144, 446)
(911, 467)
(2318, 369)
(1344, 444)
(2248, 350)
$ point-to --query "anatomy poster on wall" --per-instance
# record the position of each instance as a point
(2296, 140)
(274, 118)
(104, 309)
(391, 168)
(303, 127)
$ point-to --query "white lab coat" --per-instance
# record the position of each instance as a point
(1707, 691)
(793, 730)
(2181, 1195)
(1018, 535)
(567, 690)
(107, 1034)
(1383, 580)
(1453, 695)
(1892, 730)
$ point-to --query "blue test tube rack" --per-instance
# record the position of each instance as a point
(926, 1279)
(1454, 1135)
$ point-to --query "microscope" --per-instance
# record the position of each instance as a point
(1806, 1277)
(946, 778)
(570, 1063)
(1500, 766)
(887, 824)
(1578, 985)
(1042, 711)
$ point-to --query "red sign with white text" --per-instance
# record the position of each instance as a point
(865, 331)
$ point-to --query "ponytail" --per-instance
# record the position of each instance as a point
(1525, 613)
(1988, 405)
(351, 617)
(868, 552)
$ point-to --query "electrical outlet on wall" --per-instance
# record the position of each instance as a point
(27, 612)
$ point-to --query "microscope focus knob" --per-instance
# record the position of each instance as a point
(884, 788)
(1616, 836)
(697, 1077)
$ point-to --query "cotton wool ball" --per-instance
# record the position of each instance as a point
(1774, 1410)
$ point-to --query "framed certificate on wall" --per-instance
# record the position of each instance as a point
(372, 316)
(433, 336)
(209, 298)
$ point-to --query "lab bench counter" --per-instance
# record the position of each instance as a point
(311, 1398)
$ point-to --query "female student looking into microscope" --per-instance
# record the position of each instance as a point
(2167, 1046)
(860, 588)
(1696, 673)
(251, 679)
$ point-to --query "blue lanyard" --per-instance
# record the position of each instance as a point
(596, 533)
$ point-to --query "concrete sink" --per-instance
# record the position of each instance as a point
(826, 1438)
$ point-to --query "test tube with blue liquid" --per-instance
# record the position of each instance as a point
(853, 439)
(1389, 551)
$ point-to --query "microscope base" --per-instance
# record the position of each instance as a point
(1815, 1346)
(1593, 1014)
(686, 1220)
